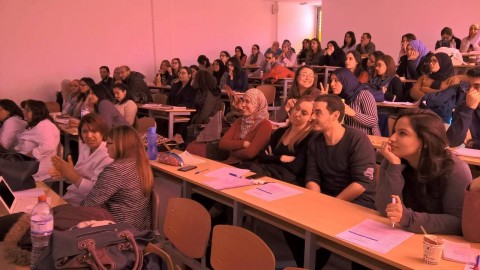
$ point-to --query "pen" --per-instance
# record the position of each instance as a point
(476, 263)
(393, 201)
(232, 174)
(264, 191)
(197, 172)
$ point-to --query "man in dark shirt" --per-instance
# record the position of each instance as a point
(366, 46)
(341, 159)
(137, 87)
(467, 116)
(107, 81)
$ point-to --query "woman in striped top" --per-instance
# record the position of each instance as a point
(360, 106)
(124, 187)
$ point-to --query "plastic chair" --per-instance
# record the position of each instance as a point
(187, 228)
(144, 123)
(269, 91)
(237, 248)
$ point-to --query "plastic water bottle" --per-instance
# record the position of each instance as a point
(152, 150)
(41, 227)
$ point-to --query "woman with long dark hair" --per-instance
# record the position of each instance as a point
(353, 62)
(235, 76)
(99, 100)
(349, 42)
(302, 55)
(218, 68)
(124, 102)
(12, 123)
(315, 53)
(240, 55)
(333, 55)
(421, 183)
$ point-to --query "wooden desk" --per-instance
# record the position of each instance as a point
(310, 215)
(154, 89)
(173, 115)
(378, 140)
(398, 105)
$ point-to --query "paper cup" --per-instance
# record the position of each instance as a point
(432, 249)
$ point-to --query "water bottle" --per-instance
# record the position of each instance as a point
(152, 150)
(41, 227)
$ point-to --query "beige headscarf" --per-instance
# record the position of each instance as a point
(260, 112)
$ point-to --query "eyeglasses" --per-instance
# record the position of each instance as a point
(83, 84)
(268, 57)
(306, 75)
(433, 61)
(182, 73)
(175, 62)
(378, 65)
(222, 55)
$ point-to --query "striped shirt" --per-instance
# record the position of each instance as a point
(366, 118)
(118, 190)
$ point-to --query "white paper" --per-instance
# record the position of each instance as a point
(190, 159)
(375, 235)
(458, 252)
(399, 103)
(227, 172)
(272, 191)
(468, 152)
(227, 182)
(29, 193)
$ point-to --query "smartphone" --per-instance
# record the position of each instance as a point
(255, 176)
(187, 168)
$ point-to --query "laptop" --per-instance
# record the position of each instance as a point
(16, 202)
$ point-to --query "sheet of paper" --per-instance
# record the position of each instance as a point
(467, 152)
(227, 182)
(272, 191)
(190, 159)
(227, 172)
(458, 252)
(400, 103)
(375, 235)
(29, 193)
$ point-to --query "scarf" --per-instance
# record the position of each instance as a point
(260, 111)
(418, 46)
(254, 59)
(445, 71)
(350, 84)
(380, 82)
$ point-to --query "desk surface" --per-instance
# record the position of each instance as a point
(319, 214)
(163, 108)
(402, 105)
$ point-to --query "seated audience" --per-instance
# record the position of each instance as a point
(99, 101)
(275, 49)
(303, 85)
(353, 62)
(472, 41)
(86, 85)
(124, 187)
(124, 103)
(194, 69)
(249, 134)
(240, 55)
(285, 156)
(405, 40)
(70, 103)
(369, 62)
(366, 46)
(203, 62)
(448, 39)
(136, 84)
(415, 62)
(466, 116)
(41, 137)
(163, 77)
(224, 56)
(219, 69)
(270, 62)
(12, 123)
(441, 77)
(256, 58)
(386, 82)
(302, 55)
(106, 80)
(425, 181)
(182, 93)
(360, 106)
(287, 57)
(314, 54)
(92, 158)
(333, 55)
(349, 42)
(63, 94)
(207, 96)
(235, 76)
(173, 70)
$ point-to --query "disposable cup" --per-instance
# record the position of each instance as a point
(432, 249)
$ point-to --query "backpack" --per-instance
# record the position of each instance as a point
(443, 102)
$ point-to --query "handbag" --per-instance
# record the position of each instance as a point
(470, 217)
(115, 246)
(17, 169)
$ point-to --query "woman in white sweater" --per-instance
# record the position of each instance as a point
(11, 117)
(124, 103)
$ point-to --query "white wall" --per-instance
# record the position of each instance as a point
(388, 20)
(44, 42)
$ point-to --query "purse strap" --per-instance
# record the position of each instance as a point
(128, 235)
(91, 258)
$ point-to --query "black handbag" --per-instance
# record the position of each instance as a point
(17, 169)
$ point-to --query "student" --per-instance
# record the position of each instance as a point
(173, 70)
(98, 99)
(288, 57)
(124, 103)
(360, 106)
(415, 62)
(472, 41)
(441, 77)
(315, 53)
(124, 187)
(303, 85)
(448, 39)
(285, 156)
(249, 134)
(404, 42)
(41, 137)
(353, 62)
(182, 93)
(12, 123)
(467, 115)
(207, 95)
(70, 103)
(386, 81)
(333, 55)
(369, 62)
(275, 49)
(421, 183)
(224, 56)
(340, 160)
(240, 55)
(235, 76)
(203, 62)
(219, 69)
(163, 77)
(366, 46)
(302, 55)
(256, 58)
(93, 157)
(349, 42)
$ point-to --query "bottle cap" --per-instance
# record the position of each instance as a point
(42, 198)
(152, 130)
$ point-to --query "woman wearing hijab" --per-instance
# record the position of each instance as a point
(360, 106)
(333, 55)
(441, 77)
(472, 41)
(288, 57)
(415, 62)
(251, 133)
(218, 68)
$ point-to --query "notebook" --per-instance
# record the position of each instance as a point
(15, 203)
